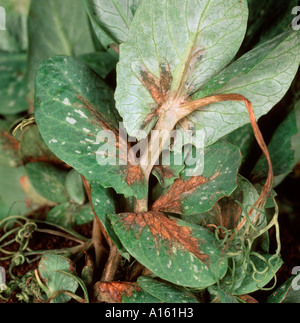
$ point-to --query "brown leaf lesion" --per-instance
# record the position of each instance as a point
(171, 200)
(113, 292)
(164, 229)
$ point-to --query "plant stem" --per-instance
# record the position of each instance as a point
(112, 265)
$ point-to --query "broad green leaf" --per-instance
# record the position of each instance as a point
(69, 215)
(281, 154)
(58, 28)
(75, 188)
(197, 194)
(176, 251)
(253, 76)
(166, 292)
(111, 19)
(295, 140)
(50, 267)
(286, 293)
(222, 296)
(14, 38)
(12, 196)
(75, 114)
(12, 83)
(8, 146)
(48, 181)
(250, 280)
(140, 297)
(173, 49)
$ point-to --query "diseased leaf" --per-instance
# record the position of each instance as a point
(48, 181)
(173, 49)
(176, 251)
(85, 133)
(12, 83)
(252, 76)
(50, 268)
(58, 28)
(166, 292)
(88, 270)
(111, 19)
(197, 194)
(113, 292)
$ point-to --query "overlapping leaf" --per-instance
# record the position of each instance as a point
(176, 251)
(253, 76)
(111, 19)
(75, 114)
(173, 48)
(197, 194)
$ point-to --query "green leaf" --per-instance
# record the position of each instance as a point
(75, 188)
(176, 251)
(48, 181)
(286, 293)
(75, 114)
(111, 19)
(12, 83)
(295, 140)
(15, 38)
(69, 215)
(173, 49)
(166, 292)
(281, 154)
(101, 62)
(12, 196)
(58, 28)
(197, 194)
(251, 281)
(254, 77)
(140, 297)
(50, 268)
(33, 148)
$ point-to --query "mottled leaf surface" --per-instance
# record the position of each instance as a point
(173, 49)
(254, 76)
(71, 110)
(175, 250)
(197, 194)
(8, 146)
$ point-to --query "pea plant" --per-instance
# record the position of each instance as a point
(139, 118)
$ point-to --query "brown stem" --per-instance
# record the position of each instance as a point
(112, 265)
